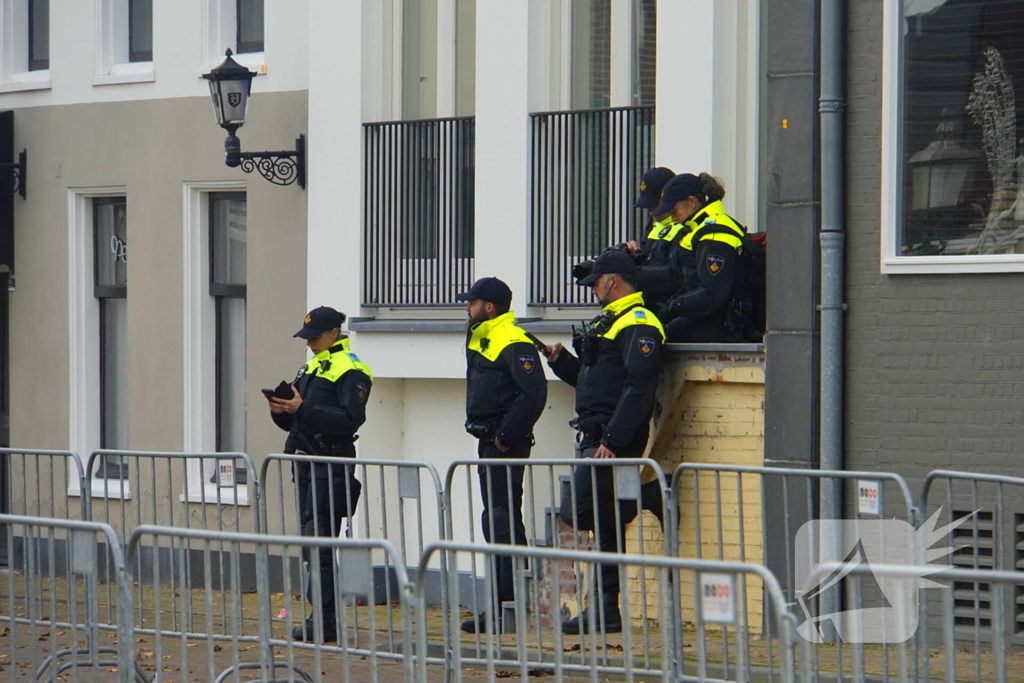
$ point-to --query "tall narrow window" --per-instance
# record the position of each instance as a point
(419, 59)
(110, 221)
(645, 50)
(228, 242)
(591, 54)
(38, 35)
(249, 18)
(140, 30)
(465, 58)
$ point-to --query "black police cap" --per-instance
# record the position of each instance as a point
(610, 263)
(651, 185)
(488, 289)
(318, 321)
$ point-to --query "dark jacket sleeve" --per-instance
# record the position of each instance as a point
(353, 390)
(715, 286)
(282, 420)
(533, 393)
(637, 400)
(566, 368)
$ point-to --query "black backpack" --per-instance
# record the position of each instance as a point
(746, 310)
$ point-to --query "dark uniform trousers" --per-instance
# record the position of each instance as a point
(323, 501)
(597, 513)
(501, 490)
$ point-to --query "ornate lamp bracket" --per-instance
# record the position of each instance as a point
(12, 175)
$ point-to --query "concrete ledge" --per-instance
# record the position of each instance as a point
(375, 325)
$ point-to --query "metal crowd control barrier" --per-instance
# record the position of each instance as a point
(42, 483)
(952, 662)
(206, 491)
(987, 534)
(559, 510)
(394, 502)
(201, 638)
(730, 503)
(49, 601)
(652, 646)
(753, 514)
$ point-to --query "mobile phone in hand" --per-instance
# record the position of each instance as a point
(539, 345)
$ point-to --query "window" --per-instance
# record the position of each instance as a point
(645, 50)
(38, 35)
(952, 139)
(228, 242)
(140, 30)
(591, 54)
(419, 59)
(110, 258)
(249, 25)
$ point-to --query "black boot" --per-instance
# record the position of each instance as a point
(609, 612)
(651, 499)
(478, 623)
(306, 632)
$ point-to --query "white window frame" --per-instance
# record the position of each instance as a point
(219, 33)
(112, 65)
(890, 262)
(14, 73)
(199, 323)
(84, 331)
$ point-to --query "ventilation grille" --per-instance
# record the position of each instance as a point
(972, 602)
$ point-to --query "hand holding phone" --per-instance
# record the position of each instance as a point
(541, 347)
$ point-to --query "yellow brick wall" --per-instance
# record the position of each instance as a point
(720, 419)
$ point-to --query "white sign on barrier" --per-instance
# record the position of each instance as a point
(226, 473)
(867, 497)
(718, 598)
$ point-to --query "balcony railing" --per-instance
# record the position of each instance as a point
(586, 170)
(418, 211)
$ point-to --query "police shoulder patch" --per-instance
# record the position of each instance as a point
(300, 373)
(527, 363)
(362, 391)
(715, 264)
(352, 356)
(640, 315)
(646, 345)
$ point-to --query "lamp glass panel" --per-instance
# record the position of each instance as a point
(234, 98)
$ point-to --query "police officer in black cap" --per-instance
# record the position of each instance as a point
(326, 408)
(658, 256)
(615, 373)
(506, 392)
(714, 304)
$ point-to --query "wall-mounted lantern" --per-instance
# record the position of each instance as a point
(230, 88)
(12, 175)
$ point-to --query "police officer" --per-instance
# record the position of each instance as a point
(327, 407)
(712, 268)
(615, 374)
(659, 256)
(506, 392)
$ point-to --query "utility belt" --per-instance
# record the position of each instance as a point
(587, 429)
(319, 444)
(479, 430)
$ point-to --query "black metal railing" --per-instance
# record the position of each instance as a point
(586, 169)
(418, 211)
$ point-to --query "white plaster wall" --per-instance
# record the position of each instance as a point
(178, 54)
(422, 421)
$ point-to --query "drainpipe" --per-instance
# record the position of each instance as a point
(833, 242)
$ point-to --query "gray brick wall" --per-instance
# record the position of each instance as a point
(934, 363)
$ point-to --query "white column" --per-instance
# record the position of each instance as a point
(334, 188)
(503, 145)
(684, 121)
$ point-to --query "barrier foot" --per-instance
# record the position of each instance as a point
(276, 665)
